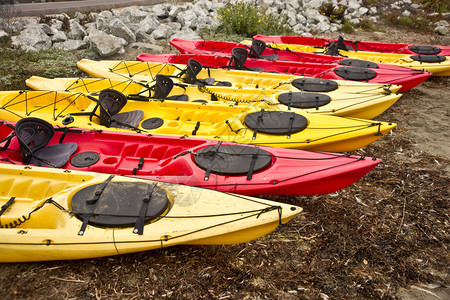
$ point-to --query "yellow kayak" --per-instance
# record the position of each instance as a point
(55, 214)
(364, 105)
(147, 71)
(239, 124)
(438, 65)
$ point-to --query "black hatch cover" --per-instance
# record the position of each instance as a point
(232, 159)
(359, 74)
(429, 58)
(358, 63)
(119, 203)
(427, 50)
(304, 100)
(276, 122)
(315, 84)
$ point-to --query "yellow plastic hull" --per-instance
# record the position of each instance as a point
(362, 105)
(195, 216)
(219, 122)
(240, 79)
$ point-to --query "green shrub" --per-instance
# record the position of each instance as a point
(332, 12)
(347, 26)
(415, 22)
(18, 65)
(246, 19)
(366, 25)
(435, 5)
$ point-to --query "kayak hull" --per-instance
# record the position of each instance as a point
(171, 159)
(53, 227)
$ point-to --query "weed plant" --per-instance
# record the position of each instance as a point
(246, 19)
(18, 65)
(333, 13)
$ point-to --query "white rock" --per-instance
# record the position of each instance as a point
(149, 24)
(34, 37)
(293, 3)
(186, 33)
(301, 19)
(441, 23)
(56, 24)
(134, 14)
(147, 47)
(106, 45)
(80, 16)
(70, 45)
(3, 35)
(106, 14)
(373, 10)
(353, 5)
(160, 10)
(363, 11)
(174, 11)
(76, 32)
(162, 32)
(119, 29)
(59, 37)
(442, 30)
(188, 19)
(406, 13)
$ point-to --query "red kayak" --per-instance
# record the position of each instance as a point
(228, 167)
(357, 45)
(407, 78)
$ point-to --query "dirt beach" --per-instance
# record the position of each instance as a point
(387, 236)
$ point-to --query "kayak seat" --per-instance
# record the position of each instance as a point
(239, 56)
(193, 68)
(33, 135)
(162, 88)
(111, 102)
(258, 48)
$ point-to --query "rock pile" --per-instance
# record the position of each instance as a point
(108, 32)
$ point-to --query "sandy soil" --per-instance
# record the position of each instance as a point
(386, 236)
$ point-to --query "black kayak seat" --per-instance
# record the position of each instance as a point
(239, 57)
(33, 135)
(163, 86)
(193, 68)
(258, 48)
(111, 102)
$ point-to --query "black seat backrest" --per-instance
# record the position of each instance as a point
(239, 55)
(332, 49)
(163, 86)
(340, 43)
(258, 48)
(192, 69)
(33, 134)
(111, 102)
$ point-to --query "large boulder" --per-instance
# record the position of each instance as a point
(119, 29)
(134, 14)
(162, 32)
(34, 37)
(149, 24)
(106, 45)
(77, 32)
(161, 11)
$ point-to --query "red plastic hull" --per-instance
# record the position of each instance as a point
(171, 159)
(356, 45)
(407, 78)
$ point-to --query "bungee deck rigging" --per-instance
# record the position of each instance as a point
(50, 231)
(242, 169)
(322, 133)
